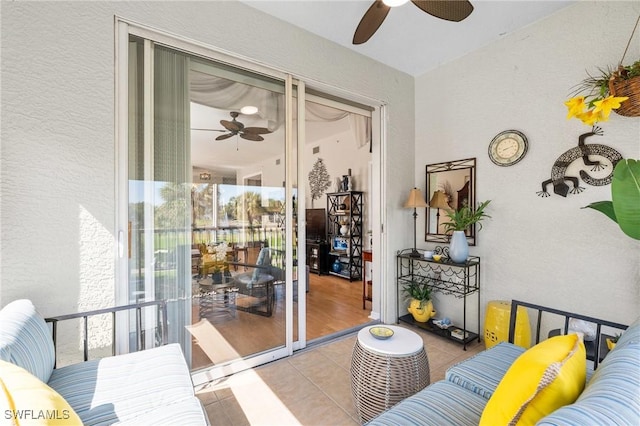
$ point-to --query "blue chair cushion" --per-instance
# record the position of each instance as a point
(264, 259)
(441, 404)
(611, 397)
(482, 372)
(25, 339)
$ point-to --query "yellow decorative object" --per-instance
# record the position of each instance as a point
(610, 344)
(421, 314)
(548, 376)
(27, 400)
(210, 265)
(496, 324)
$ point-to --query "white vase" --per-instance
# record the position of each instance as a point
(459, 247)
(343, 230)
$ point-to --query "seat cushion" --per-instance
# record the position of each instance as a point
(441, 404)
(25, 339)
(544, 378)
(612, 396)
(122, 387)
(482, 372)
(186, 412)
(25, 399)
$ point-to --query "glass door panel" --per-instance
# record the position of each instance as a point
(208, 202)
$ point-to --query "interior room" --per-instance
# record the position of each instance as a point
(223, 264)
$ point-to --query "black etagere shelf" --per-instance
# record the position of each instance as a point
(345, 209)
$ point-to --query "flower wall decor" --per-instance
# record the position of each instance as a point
(612, 90)
(594, 100)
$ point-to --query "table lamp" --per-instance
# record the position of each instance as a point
(438, 201)
(415, 200)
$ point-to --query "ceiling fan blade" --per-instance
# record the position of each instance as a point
(257, 130)
(223, 137)
(370, 22)
(233, 126)
(450, 10)
(251, 137)
(210, 130)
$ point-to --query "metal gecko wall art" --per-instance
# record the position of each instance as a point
(559, 178)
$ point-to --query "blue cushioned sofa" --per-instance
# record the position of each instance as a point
(611, 395)
(149, 387)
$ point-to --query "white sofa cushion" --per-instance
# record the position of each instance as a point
(126, 387)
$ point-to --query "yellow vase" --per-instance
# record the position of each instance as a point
(496, 324)
(421, 314)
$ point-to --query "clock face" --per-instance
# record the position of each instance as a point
(508, 147)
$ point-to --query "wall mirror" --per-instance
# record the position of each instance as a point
(450, 185)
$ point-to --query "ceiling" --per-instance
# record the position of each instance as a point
(410, 40)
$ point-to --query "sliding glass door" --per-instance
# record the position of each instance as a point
(215, 177)
(211, 206)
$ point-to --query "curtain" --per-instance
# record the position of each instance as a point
(222, 93)
(172, 176)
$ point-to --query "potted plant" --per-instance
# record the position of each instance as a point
(420, 305)
(459, 221)
(611, 90)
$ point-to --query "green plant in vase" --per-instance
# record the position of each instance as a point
(459, 221)
(420, 305)
(463, 218)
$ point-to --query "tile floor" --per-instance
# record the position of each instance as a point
(312, 387)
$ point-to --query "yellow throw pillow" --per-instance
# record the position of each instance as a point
(546, 377)
(26, 400)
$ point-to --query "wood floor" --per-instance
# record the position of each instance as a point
(333, 304)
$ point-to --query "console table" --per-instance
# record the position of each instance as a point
(460, 280)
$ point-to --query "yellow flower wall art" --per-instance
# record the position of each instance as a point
(598, 109)
(594, 98)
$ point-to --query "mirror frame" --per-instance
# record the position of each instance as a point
(431, 171)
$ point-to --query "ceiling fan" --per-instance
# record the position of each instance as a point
(234, 127)
(450, 10)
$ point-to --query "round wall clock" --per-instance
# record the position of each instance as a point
(508, 147)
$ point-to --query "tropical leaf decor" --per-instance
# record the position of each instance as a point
(319, 180)
(624, 209)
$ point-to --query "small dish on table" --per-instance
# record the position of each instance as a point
(381, 333)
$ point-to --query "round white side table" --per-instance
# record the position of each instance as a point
(384, 372)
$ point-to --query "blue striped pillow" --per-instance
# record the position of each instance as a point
(612, 396)
(25, 339)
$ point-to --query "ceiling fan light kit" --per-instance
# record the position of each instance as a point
(450, 10)
(394, 3)
(249, 110)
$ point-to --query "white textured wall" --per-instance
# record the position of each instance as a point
(543, 250)
(58, 135)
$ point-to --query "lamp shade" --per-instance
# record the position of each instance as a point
(439, 201)
(415, 199)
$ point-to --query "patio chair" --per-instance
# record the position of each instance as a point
(257, 284)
